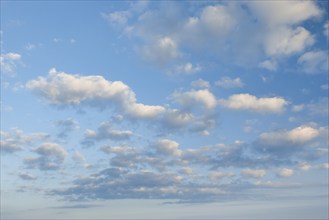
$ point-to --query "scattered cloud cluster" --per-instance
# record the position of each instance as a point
(8, 63)
(216, 29)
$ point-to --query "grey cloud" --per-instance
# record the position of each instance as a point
(105, 132)
(66, 126)
(17, 140)
(27, 176)
(51, 157)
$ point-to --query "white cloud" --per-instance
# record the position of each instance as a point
(269, 65)
(167, 147)
(117, 17)
(8, 63)
(304, 166)
(228, 83)
(187, 68)
(162, 51)
(60, 88)
(319, 107)
(286, 41)
(253, 173)
(285, 172)
(314, 62)
(252, 103)
(299, 135)
(195, 97)
(200, 83)
(291, 12)
(298, 108)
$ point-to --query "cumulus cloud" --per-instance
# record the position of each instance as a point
(195, 97)
(294, 142)
(314, 62)
(167, 147)
(252, 103)
(60, 88)
(8, 63)
(51, 157)
(229, 83)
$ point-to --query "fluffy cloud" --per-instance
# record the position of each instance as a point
(285, 41)
(167, 147)
(60, 88)
(228, 83)
(195, 97)
(8, 62)
(252, 103)
(295, 142)
(51, 156)
(314, 62)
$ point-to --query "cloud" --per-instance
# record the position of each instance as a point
(229, 83)
(252, 103)
(319, 107)
(117, 17)
(285, 172)
(17, 140)
(326, 29)
(163, 51)
(166, 147)
(8, 63)
(66, 126)
(105, 132)
(253, 173)
(297, 142)
(269, 65)
(200, 84)
(62, 89)
(27, 176)
(51, 157)
(194, 98)
(187, 68)
(314, 62)
(286, 41)
(298, 108)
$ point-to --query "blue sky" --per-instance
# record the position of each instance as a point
(164, 109)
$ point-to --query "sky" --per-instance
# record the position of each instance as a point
(164, 109)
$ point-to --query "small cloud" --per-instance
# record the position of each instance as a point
(253, 173)
(326, 29)
(195, 97)
(30, 46)
(200, 84)
(252, 103)
(27, 176)
(269, 65)
(298, 108)
(285, 172)
(325, 86)
(117, 18)
(187, 68)
(229, 83)
(8, 63)
(313, 62)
